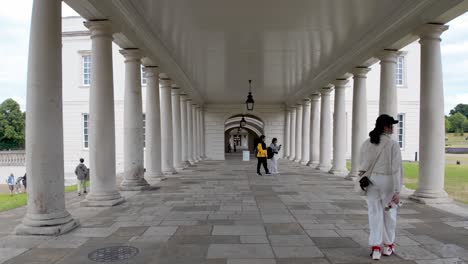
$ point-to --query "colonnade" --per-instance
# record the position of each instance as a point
(174, 125)
(311, 141)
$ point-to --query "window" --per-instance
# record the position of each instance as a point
(86, 70)
(401, 130)
(400, 71)
(144, 130)
(85, 130)
(143, 79)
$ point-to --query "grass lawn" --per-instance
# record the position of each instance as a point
(455, 140)
(8, 202)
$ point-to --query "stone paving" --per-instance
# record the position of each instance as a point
(222, 213)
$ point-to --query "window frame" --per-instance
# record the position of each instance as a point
(83, 54)
(401, 125)
(143, 78)
(401, 55)
(85, 135)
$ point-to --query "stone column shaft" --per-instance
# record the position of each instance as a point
(325, 131)
(190, 132)
(388, 103)
(298, 156)
(167, 152)
(288, 134)
(153, 124)
(133, 124)
(305, 132)
(176, 126)
(339, 130)
(195, 134)
(314, 131)
(292, 155)
(359, 126)
(184, 130)
(431, 122)
(199, 135)
(46, 213)
(103, 189)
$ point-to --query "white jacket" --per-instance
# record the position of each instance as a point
(389, 162)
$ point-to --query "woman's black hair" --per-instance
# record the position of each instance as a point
(262, 137)
(273, 140)
(381, 122)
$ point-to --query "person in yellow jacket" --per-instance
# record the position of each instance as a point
(262, 156)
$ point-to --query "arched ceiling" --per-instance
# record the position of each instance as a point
(288, 48)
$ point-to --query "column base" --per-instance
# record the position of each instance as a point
(339, 172)
(297, 160)
(134, 184)
(313, 164)
(47, 225)
(430, 197)
(191, 163)
(291, 158)
(171, 171)
(305, 162)
(323, 167)
(102, 199)
(353, 175)
(153, 175)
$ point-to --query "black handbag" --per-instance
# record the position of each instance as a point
(364, 182)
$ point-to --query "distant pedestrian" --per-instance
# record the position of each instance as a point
(18, 184)
(24, 182)
(274, 160)
(381, 164)
(262, 156)
(81, 173)
(11, 183)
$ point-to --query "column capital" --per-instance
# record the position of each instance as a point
(431, 31)
(165, 81)
(131, 55)
(151, 71)
(325, 91)
(315, 97)
(183, 97)
(175, 90)
(388, 55)
(306, 101)
(188, 99)
(340, 83)
(99, 28)
(360, 72)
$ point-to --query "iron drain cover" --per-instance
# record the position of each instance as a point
(112, 254)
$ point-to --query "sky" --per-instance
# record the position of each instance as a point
(15, 19)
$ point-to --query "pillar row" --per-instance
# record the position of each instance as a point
(46, 213)
(133, 179)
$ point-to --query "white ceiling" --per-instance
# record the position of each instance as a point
(288, 48)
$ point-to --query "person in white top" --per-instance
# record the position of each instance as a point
(383, 193)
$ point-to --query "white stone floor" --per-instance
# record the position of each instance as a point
(221, 212)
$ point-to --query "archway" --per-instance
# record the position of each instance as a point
(238, 139)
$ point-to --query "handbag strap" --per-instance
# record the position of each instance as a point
(369, 171)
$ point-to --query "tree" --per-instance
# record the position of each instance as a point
(12, 125)
(447, 125)
(456, 122)
(465, 126)
(460, 108)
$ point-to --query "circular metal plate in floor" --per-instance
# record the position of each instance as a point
(112, 254)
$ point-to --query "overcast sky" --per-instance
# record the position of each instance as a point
(14, 31)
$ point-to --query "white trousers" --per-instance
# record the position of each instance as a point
(382, 223)
(273, 164)
(81, 185)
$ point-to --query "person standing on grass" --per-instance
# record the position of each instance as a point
(81, 173)
(11, 183)
(381, 154)
(262, 156)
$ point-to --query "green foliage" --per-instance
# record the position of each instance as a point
(447, 125)
(12, 125)
(465, 126)
(460, 108)
(456, 122)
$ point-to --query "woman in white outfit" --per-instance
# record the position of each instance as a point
(383, 194)
(274, 160)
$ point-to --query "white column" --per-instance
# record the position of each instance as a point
(176, 128)
(359, 125)
(203, 136)
(184, 130)
(431, 121)
(190, 132)
(305, 132)
(167, 153)
(325, 131)
(298, 156)
(194, 135)
(339, 130)
(199, 136)
(133, 124)
(388, 93)
(314, 131)
(287, 137)
(153, 124)
(46, 213)
(292, 155)
(103, 189)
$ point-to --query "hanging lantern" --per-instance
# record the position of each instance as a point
(250, 101)
(243, 122)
